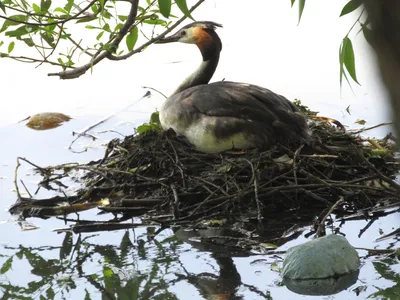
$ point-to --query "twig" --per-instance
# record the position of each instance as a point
(26, 189)
(372, 127)
(84, 131)
(175, 203)
(153, 89)
(321, 225)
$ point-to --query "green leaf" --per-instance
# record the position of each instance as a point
(49, 39)
(36, 8)
(183, 7)
(98, 37)
(155, 118)
(292, 2)
(302, 3)
(131, 38)
(348, 58)
(155, 22)
(108, 272)
(341, 60)
(3, 8)
(11, 47)
(165, 7)
(45, 5)
(350, 6)
(6, 266)
(14, 20)
(69, 5)
(87, 19)
(107, 28)
(20, 31)
(29, 42)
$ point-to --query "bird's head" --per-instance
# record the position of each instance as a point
(201, 34)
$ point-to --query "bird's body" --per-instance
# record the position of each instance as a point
(227, 115)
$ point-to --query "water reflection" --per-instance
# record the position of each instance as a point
(146, 268)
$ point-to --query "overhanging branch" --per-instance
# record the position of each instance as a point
(114, 43)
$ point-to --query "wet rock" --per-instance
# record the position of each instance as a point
(329, 256)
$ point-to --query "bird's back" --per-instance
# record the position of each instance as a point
(228, 109)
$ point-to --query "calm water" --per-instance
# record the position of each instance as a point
(41, 264)
(272, 51)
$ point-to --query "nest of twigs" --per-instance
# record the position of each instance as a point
(160, 177)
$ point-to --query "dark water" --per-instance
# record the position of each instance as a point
(37, 263)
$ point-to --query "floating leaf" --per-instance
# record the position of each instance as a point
(350, 6)
(183, 7)
(44, 121)
(361, 122)
(131, 38)
(165, 7)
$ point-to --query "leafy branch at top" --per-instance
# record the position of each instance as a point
(46, 28)
(346, 50)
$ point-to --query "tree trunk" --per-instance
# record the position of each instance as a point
(385, 22)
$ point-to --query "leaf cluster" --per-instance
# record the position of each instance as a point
(347, 65)
(92, 30)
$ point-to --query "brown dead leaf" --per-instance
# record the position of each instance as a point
(48, 120)
(361, 122)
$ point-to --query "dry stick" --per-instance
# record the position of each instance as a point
(70, 204)
(321, 225)
(43, 170)
(315, 196)
(372, 127)
(16, 179)
(153, 89)
(386, 179)
(84, 132)
(26, 189)
(212, 184)
(175, 202)
(258, 203)
(294, 166)
(367, 226)
(177, 163)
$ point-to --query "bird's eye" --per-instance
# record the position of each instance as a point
(183, 33)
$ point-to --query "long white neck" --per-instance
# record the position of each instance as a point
(202, 75)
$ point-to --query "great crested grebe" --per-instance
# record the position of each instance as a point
(226, 115)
